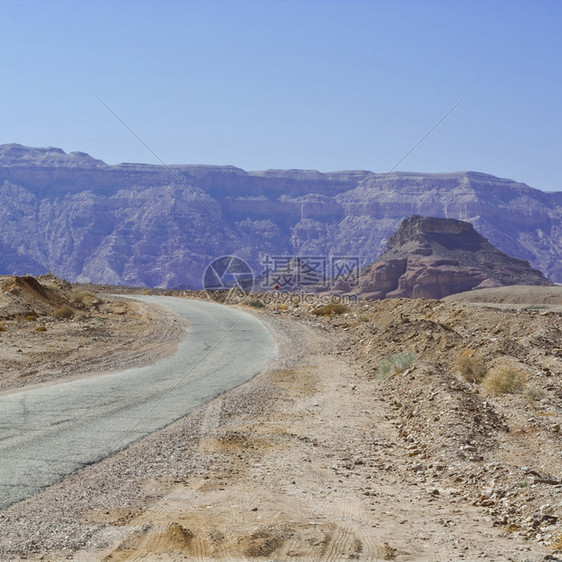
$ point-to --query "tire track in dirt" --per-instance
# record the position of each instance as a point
(305, 463)
(353, 536)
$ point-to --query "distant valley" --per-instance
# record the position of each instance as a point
(147, 225)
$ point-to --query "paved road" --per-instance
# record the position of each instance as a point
(47, 433)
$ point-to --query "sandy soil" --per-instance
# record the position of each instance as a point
(323, 458)
(113, 334)
(517, 298)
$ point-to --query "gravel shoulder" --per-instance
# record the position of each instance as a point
(317, 458)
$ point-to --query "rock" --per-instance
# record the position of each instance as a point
(432, 258)
(144, 225)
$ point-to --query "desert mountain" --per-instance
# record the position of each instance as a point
(160, 226)
(433, 257)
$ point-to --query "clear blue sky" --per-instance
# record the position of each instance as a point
(316, 84)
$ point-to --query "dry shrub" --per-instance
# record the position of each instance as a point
(77, 296)
(50, 285)
(3, 328)
(532, 393)
(40, 329)
(256, 303)
(472, 368)
(64, 311)
(30, 318)
(504, 379)
(85, 298)
(330, 309)
(91, 300)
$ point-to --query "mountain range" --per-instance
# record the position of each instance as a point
(160, 226)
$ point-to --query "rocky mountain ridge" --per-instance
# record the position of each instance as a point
(432, 258)
(142, 224)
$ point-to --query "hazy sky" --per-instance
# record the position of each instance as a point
(317, 84)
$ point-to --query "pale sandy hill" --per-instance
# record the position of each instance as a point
(522, 295)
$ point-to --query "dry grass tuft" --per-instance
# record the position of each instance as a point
(64, 311)
(504, 379)
(532, 394)
(330, 309)
(472, 368)
(77, 296)
(85, 298)
(51, 286)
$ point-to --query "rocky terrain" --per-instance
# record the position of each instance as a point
(147, 225)
(432, 258)
(385, 431)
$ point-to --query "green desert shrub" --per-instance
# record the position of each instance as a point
(396, 363)
(504, 379)
(256, 303)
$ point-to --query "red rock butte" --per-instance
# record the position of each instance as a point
(431, 258)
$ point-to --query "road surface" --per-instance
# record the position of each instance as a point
(47, 433)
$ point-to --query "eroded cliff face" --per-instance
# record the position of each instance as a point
(434, 257)
(143, 225)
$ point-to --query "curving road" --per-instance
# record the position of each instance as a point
(47, 433)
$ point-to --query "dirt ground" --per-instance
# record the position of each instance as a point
(101, 334)
(329, 455)
(541, 297)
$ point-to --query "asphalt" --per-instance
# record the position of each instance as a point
(47, 433)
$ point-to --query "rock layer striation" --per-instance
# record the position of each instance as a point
(433, 257)
(160, 226)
